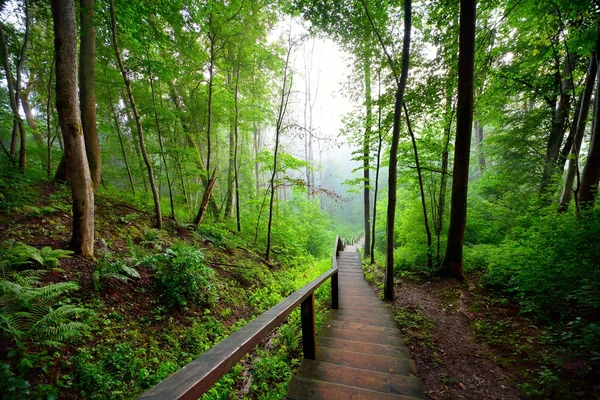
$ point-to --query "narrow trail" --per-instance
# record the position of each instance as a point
(451, 363)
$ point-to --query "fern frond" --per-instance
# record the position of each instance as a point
(52, 291)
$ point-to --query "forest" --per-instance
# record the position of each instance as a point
(170, 170)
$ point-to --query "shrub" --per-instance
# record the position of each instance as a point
(553, 265)
(183, 278)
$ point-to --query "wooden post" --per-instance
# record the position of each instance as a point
(334, 291)
(309, 328)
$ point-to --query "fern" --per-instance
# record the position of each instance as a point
(116, 270)
(34, 313)
(19, 254)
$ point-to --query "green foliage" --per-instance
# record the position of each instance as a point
(182, 277)
(551, 266)
(15, 189)
(116, 269)
(31, 311)
(219, 235)
(20, 255)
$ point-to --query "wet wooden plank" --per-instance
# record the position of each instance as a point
(361, 347)
(305, 388)
(360, 378)
(387, 365)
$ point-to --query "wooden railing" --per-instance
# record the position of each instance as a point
(191, 381)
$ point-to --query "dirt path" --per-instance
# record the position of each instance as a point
(449, 358)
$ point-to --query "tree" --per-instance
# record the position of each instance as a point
(584, 108)
(87, 90)
(65, 44)
(388, 288)
(286, 89)
(452, 265)
(137, 117)
(588, 188)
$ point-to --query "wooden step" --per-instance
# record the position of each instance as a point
(398, 366)
(306, 388)
(360, 378)
(362, 336)
(387, 323)
(358, 327)
(361, 314)
(365, 348)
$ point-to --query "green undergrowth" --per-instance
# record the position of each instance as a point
(150, 303)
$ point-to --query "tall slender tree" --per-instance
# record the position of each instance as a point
(452, 265)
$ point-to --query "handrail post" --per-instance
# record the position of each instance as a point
(309, 328)
(334, 291)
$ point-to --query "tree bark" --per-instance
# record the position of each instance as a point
(478, 147)
(388, 288)
(557, 132)
(65, 43)
(422, 190)
(14, 88)
(35, 131)
(284, 98)
(235, 153)
(367, 150)
(377, 168)
(123, 152)
(452, 265)
(138, 121)
(584, 108)
(162, 147)
(87, 90)
(588, 187)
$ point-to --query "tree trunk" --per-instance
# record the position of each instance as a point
(377, 167)
(235, 153)
(392, 180)
(162, 148)
(210, 93)
(588, 187)
(205, 200)
(478, 147)
(422, 190)
(367, 151)
(452, 265)
(284, 99)
(35, 131)
(256, 145)
(175, 98)
(50, 138)
(557, 132)
(138, 121)
(584, 108)
(228, 207)
(65, 43)
(123, 152)
(87, 90)
(14, 87)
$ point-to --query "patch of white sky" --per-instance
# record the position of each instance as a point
(321, 66)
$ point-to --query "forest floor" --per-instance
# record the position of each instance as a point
(469, 342)
(132, 340)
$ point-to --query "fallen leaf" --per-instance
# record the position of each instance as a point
(463, 387)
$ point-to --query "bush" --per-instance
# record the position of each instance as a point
(553, 265)
(183, 278)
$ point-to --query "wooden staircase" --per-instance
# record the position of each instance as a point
(360, 353)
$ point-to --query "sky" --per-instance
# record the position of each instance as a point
(327, 76)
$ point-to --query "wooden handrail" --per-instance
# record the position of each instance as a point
(191, 381)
